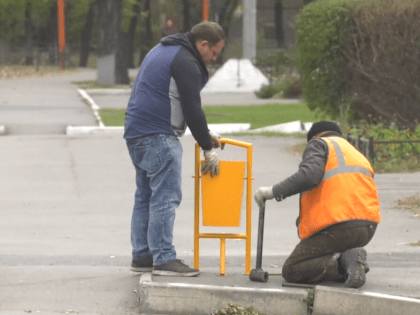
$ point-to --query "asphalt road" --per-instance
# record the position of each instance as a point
(67, 201)
(66, 207)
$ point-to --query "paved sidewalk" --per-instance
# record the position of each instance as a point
(44, 105)
(64, 234)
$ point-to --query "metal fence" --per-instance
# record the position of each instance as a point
(366, 146)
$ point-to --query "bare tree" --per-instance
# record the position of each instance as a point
(225, 12)
(86, 35)
(132, 34)
(47, 34)
(278, 21)
(147, 36)
(29, 60)
(382, 64)
(187, 15)
(111, 40)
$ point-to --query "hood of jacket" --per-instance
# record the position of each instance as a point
(186, 40)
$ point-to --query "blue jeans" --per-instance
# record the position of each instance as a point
(158, 161)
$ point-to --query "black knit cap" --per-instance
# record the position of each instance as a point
(322, 126)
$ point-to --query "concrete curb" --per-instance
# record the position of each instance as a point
(225, 128)
(93, 130)
(291, 127)
(350, 301)
(95, 108)
(196, 299)
(181, 298)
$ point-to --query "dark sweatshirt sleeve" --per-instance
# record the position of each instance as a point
(187, 75)
(310, 173)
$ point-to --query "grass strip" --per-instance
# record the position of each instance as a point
(257, 115)
(112, 117)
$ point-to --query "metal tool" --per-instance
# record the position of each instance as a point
(258, 274)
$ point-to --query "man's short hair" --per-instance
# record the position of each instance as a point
(209, 31)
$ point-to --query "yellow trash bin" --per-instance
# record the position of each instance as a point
(222, 195)
(222, 201)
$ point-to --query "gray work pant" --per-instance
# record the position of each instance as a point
(316, 258)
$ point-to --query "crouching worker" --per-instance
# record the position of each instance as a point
(339, 210)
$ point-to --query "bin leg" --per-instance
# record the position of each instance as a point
(222, 256)
(196, 252)
(248, 254)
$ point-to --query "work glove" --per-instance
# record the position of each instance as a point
(262, 194)
(215, 140)
(211, 163)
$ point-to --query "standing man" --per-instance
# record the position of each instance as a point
(339, 210)
(165, 100)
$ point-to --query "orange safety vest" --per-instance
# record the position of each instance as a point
(347, 191)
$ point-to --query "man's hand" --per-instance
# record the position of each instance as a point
(215, 140)
(263, 194)
(211, 163)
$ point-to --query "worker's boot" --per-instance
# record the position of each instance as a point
(354, 263)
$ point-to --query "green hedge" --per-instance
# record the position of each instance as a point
(323, 27)
(359, 59)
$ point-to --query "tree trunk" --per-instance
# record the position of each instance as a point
(121, 64)
(132, 34)
(29, 60)
(86, 36)
(187, 16)
(148, 36)
(110, 37)
(278, 20)
(225, 13)
(52, 36)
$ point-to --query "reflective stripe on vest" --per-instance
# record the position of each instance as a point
(342, 167)
(346, 192)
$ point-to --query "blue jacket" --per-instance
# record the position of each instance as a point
(166, 95)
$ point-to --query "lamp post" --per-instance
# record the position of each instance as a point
(61, 32)
(249, 45)
(205, 10)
